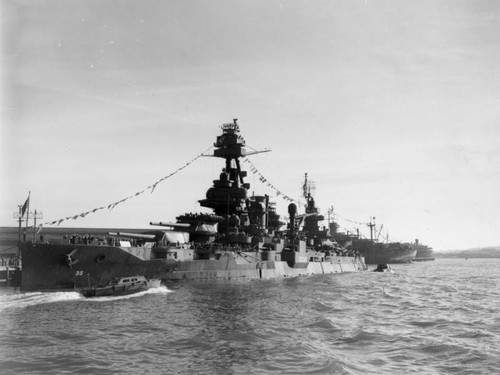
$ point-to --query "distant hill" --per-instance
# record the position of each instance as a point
(479, 252)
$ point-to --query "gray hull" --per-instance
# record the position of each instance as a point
(46, 267)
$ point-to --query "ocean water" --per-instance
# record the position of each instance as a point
(439, 317)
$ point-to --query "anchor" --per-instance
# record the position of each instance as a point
(69, 258)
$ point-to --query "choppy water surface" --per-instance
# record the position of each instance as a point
(439, 317)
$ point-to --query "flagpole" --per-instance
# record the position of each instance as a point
(20, 219)
(28, 210)
(34, 227)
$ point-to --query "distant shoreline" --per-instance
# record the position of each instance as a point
(485, 252)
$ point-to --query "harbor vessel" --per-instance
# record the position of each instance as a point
(122, 286)
(382, 267)
(424, 252)
(239, 238)
(374, 251)
(389, 253)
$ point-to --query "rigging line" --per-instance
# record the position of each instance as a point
(351, 221)
(251, 147)
(264, 180)
(350, 231)
(114, 204)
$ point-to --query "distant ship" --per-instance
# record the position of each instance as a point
(389, 253)
(375, 252)
(241, 238)
(424, 252)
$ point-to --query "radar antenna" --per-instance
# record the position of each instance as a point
(308, 188)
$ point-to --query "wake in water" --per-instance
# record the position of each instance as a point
(22, 300)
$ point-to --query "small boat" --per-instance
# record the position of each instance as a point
(122, 286)
(383, 267)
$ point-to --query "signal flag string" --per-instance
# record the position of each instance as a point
(152, 187)
(264, 180)
(350, 221)
(110, 206)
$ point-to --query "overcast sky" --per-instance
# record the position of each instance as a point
(391, 107)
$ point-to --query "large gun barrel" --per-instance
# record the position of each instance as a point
(173, 225)
(141, 236)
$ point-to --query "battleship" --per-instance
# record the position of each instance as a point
(240, 238)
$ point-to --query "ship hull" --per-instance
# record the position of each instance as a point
(378, 252)
(424, 252)
(386, 253)
(46, 267)
(227, 268)
(378, 255)
(428, 259)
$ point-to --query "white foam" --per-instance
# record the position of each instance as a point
(35, 298)
(22, 300)
(159, 290)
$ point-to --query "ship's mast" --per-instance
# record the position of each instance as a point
(371, 224)
(311, 217)
(331, 215)
(305, 191)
